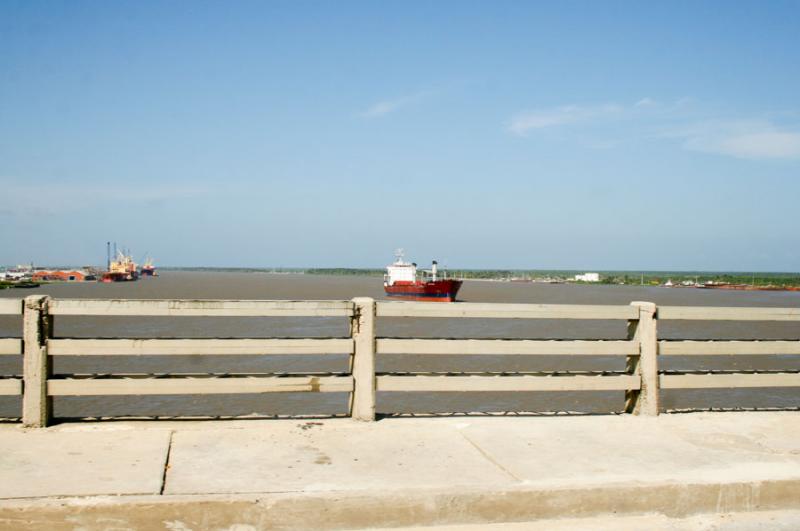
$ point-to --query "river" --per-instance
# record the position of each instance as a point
(218, 285)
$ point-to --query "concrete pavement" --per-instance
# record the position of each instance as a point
(341, 473)
(751, 521)
(50, 463)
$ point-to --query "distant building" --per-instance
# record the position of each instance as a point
(588, 277)
(62, 276)
(20, 273)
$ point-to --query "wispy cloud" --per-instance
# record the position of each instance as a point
(384, 107)
(526, 121)
(742, 139)
(696, 128)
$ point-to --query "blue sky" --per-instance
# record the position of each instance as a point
(580, 135)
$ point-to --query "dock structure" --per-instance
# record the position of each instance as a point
(334, 473)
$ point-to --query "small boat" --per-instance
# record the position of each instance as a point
(403, 282)
(25, 284)
(148, 269)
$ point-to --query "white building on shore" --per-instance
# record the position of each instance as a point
(588, 277)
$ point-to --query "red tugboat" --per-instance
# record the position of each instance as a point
(401, 282)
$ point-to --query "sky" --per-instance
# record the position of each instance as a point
(537, 135)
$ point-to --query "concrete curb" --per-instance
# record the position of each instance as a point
(342, 510)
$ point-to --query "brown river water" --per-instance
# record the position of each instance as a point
(215, 285)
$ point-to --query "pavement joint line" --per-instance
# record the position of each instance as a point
(166, 464)
(141, 495)
(489, 457)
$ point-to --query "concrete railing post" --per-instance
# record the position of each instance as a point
(362, 403)
(37, 327)
(644, 401)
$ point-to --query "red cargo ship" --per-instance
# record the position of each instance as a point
(401, 282)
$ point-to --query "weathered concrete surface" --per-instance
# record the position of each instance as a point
(398, 472)
(752, 521)
(330, 456)
(547, 452)
(386, 508)
(680, 448)
(40, 463)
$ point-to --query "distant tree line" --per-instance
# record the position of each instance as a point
(648, 278)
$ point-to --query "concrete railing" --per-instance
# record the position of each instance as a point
(10, 347)
(640, 381)
(718, 380)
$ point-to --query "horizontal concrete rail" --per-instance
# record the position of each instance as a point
(10, 386)
(210, 347)
(506, 347)
(724, 348)
(622, 382)
(711, 313)
(188, 386)
(10, 346)
(720, 381)
(10, 306)
(505, 311)
(218, 308)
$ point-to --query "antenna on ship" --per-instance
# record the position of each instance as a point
(399, 253)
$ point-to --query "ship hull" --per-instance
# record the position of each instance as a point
(109, 277)
(748, 287)
(432, 291)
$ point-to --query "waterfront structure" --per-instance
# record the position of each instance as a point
(588, 277)
(641, 380)
(285, 473)
(62, 275)
(21, 272)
